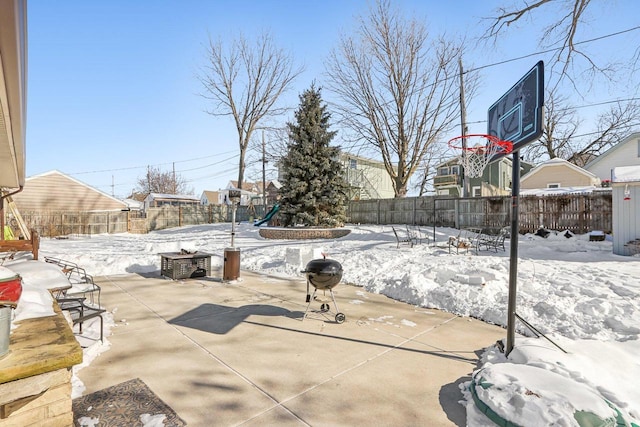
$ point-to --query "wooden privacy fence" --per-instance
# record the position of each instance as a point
(67, 223)
(579, 213)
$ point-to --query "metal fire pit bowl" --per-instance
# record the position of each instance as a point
(323, 274)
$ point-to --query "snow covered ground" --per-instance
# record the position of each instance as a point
(586, 300)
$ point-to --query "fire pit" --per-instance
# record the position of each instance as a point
(185, 264)
(323, 274)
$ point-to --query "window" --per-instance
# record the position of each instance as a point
(554, 185)
(455, 170)
(476, 191)
(353, 163)
(443, 171)
(639, 148)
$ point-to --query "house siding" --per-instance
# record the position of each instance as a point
(368, 178)
(627, 154)
(560, 174)
(58, 192)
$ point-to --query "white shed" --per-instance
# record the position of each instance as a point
(625, 183)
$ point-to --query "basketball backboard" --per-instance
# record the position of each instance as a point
(517, 115)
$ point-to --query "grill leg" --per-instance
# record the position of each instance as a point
(309, 303)
(334, 301)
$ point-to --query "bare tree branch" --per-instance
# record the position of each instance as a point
(157, 181)
(398, 90)
(561, 123)
(560, 139)
(613, 126)
(245, 81)
(560, 34)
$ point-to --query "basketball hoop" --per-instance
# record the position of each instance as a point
(476, 156)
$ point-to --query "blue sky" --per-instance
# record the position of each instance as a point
(112, 85)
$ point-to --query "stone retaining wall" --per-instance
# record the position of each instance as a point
(303, 233)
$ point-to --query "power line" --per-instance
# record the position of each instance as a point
(506, 61)
(147, 165)
(209, 165)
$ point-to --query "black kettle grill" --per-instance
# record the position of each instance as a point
(323, 274)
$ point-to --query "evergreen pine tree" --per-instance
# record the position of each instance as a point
(313, 192)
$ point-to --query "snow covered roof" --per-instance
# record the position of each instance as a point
(561, 190)
(133, 204)
(625, 174)
(153, 196)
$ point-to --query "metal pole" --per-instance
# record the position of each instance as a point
(513, 256)
(233, 222)
(264, 182)
(463, 125)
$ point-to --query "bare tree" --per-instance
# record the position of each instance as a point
(266, 148)
(560, 133)
(398, 89)
(245, 81)
(157, 181)
(613, 125)
(561, 123)
(427, 170)
(559, 35)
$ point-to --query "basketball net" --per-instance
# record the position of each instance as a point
(474, 159)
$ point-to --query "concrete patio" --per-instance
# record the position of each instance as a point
(240, 353)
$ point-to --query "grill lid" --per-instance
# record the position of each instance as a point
(323, 273)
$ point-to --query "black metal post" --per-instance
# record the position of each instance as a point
(513, 255)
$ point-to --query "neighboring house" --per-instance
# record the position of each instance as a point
(211, 198)
(157, 200)
(448, 179)
(250, 187)
(56, 191)
(624, 153)
(250, 194)
(495, 180)
(367, 178)
(558, 174)
(273, 192)
(134, 205)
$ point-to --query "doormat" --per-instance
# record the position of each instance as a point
(130, 403)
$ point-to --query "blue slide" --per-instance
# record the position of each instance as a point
(269, 215)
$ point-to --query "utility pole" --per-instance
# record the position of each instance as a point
(463, 126)
(174, 177)
(149, 178)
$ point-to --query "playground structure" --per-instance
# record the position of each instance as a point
(274, 210)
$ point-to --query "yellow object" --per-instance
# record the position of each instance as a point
(8, 233)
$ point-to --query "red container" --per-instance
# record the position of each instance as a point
(10, 290)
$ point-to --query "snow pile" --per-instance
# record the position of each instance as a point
(577, 292)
